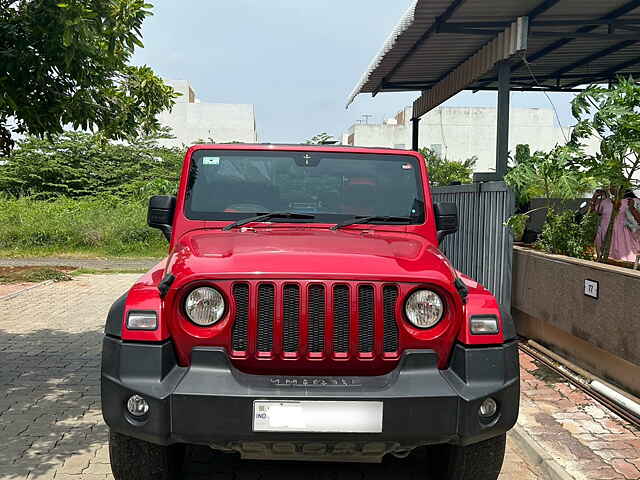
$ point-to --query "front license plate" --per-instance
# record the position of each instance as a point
(317, 416)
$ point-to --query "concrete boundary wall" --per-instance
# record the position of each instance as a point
(601, 334)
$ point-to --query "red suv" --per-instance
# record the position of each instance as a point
(305, 312)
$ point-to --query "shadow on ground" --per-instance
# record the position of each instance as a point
(49, 399)
(50, 420)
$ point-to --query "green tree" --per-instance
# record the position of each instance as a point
(612, 115)
(444, 172)
(320, 139)
(66, 62)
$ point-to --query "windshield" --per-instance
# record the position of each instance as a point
(333, 187)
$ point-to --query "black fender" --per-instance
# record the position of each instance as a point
(508, 326)
(113, 327)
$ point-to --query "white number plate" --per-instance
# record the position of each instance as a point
(317, 416)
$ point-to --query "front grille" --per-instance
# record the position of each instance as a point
(330, 318)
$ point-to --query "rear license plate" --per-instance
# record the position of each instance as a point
(317, 416)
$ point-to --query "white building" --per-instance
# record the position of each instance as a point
(459, 133)
(192, 121)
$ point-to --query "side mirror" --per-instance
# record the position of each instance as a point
(160, 213)
(446, 215)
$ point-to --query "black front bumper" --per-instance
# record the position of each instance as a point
(211, 402)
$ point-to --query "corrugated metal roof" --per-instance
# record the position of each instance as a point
(511, 42)
(420, 52)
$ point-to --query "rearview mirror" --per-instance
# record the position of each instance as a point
(160, 213)
(446, 215)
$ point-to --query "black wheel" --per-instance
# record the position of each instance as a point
(480, 461)
(133, 459)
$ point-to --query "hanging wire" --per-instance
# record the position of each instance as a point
(546, 94)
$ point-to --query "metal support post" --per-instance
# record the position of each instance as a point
(504, 99)
(415, 138)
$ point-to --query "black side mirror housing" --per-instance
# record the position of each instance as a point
(446, 215)
(160, 213)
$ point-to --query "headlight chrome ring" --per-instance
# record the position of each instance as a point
(204, 306)
(424, 308)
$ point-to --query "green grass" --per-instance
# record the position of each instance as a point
(85, 227)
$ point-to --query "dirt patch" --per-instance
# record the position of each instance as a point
(546, 374)
(30, 275)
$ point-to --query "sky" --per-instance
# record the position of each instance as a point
(297, 61)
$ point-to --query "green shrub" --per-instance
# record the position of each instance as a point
(103, 225)
(78, 165)
(517, 224)
(563, 236)
(443, 172)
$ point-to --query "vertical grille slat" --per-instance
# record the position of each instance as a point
(291, 318)
(316, 318)
(390, 298)
(266, 295)
(366, 318)
(341, 319)
(241, 321)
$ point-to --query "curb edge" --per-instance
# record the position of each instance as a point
(537, 455)
(24, 290)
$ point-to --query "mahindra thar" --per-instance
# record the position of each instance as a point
(305, 312)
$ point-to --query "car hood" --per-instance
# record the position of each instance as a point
(308, 253)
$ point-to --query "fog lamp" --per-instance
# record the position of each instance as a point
(137, 406)
(488, 408)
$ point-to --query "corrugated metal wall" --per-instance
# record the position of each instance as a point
(482, 248)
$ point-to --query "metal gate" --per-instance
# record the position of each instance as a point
(482, 248)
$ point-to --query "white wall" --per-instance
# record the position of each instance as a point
(463, 132)
(191, 121)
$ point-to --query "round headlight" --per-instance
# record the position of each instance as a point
(204, 306)
(424, 308)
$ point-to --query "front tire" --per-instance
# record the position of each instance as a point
(480, 461)
(133, 459)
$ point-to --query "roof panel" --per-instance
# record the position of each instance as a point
(417, 54)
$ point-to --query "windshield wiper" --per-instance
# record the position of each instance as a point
(268, 216)
(376, 218)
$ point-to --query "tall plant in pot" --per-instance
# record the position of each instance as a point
(553, 175)
(613, 115)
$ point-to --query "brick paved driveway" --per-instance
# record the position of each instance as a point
(50, 420)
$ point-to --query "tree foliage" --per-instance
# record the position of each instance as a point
(77, 165)
(319, 139)
(443, 172)
(613, 115)
(550, 175)
(66, 62)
